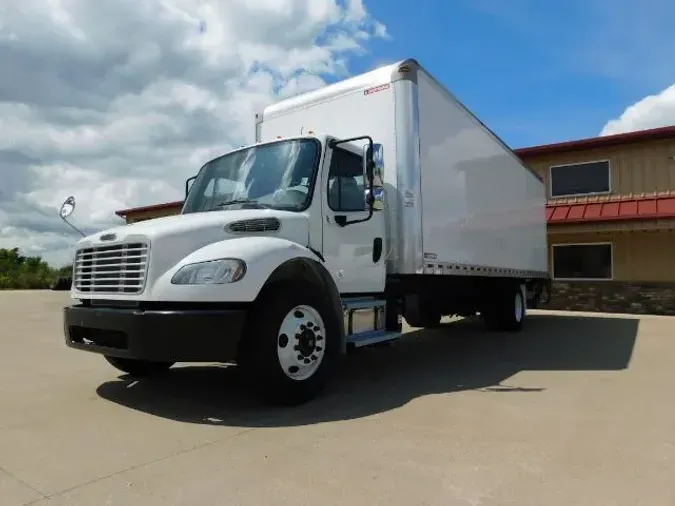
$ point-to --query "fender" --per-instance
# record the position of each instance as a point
(267, 258)
(261, 254)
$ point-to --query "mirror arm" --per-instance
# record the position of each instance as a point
(369, 173)
(187, 185)
(73, 227)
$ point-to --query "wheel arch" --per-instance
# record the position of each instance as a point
(315, 273)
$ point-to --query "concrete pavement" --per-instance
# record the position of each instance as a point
(576, 410)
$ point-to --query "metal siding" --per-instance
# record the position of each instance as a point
(636, 169)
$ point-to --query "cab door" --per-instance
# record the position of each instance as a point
(354, 253)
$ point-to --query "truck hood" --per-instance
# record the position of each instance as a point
(173, 237)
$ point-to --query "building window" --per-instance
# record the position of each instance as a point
(589, 178)
(582, 261)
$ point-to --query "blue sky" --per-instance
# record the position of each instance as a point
(535, 71)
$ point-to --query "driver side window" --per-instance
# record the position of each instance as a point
(345, 182)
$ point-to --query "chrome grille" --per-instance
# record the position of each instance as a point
(119, 268)
(255, 225)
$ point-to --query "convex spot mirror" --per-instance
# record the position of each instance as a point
(67, 207)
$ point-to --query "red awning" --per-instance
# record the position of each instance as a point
(634, 209)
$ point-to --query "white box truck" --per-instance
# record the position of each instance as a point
(372, 199)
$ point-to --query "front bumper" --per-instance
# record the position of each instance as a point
(192, 335)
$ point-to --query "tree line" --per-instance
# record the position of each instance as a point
(19, 272)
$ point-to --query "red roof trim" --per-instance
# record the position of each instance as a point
(648, 208)
(156, 207)
(599, 142)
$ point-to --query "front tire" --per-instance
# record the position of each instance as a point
(138, 368)
(292, 344)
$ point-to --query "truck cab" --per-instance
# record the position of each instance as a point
(274, 242)
(313, 191)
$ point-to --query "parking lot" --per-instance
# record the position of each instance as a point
(576, 410)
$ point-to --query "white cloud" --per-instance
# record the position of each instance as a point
(119, 101)
(651, 112)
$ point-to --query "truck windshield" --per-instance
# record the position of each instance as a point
(278, 175)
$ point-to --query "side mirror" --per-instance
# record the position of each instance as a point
(368, 163)
(373, 167)
(66, 210)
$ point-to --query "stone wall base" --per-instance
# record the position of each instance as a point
(613, 297)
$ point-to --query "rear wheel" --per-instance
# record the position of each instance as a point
(292, 344)
(508, 310)
(136, 367)
(421, 313)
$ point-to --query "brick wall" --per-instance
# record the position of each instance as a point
(613, 297)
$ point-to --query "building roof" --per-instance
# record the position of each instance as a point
(652, 134)
(546, 149)
(642, 208)
(156, 207)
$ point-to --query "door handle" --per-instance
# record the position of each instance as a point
(377, 249)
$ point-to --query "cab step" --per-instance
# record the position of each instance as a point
(364, 320)
(373, 337)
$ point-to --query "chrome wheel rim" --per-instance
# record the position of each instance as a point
(301, 342)
(519, 306)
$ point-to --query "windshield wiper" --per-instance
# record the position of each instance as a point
(253, 202)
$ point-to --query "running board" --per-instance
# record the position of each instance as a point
(364, 321)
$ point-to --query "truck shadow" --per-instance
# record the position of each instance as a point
(456, 357)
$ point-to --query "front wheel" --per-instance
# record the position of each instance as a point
(292, 344)
(136, 367)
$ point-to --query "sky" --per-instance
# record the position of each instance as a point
(117, 102)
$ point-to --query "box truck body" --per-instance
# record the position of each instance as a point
(370, 200)
(458, 200)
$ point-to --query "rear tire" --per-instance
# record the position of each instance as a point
(138, 368)
(421, 313)
(508, 311)
(292, 344)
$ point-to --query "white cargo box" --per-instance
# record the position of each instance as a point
(458, 200)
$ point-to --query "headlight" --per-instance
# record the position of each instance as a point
(213, 272)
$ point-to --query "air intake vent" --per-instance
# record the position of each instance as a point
(255, 225)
